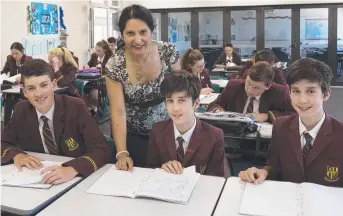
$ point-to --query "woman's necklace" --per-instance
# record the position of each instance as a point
(138, 69)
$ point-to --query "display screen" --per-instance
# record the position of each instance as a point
(45, 18)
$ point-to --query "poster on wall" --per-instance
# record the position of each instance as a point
(44, 18)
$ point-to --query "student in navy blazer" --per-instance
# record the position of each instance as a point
(184, 141)
(306, 147)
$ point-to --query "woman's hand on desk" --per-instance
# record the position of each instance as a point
(253, 175)
(173, 167)
(29, 161)
(124, 162)
(58, 174)
(206, 91)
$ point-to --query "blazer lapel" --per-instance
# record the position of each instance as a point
(194, 143)
(241, 99)
(322, 140)
(169, 139)
(36, 143)
(58, 119)
(295, 141)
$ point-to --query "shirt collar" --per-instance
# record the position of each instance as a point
(100, 59)
(314, 131)
(186, 136)
(49, 114)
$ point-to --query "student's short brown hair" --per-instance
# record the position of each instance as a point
(180, 81)
(261, 72)
(35, 68)
(312, 70)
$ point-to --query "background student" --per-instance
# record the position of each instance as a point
(15, 61)
(256, 95)
(112, 44)
(65, 69)
(52, 124)
(228, 57)
(306, 147)
(183, 141)
(193, 61)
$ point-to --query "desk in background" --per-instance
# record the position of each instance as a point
(78, 202)
(27, 201)
(221, 83)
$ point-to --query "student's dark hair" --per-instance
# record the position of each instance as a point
(312, 70)
(111, 40)
(189, 58)
(35, 68)
(228, 45)
(17, 46)
(265, 55)
(262, 72)
(135, 12)
(104, 45)
(181, 81)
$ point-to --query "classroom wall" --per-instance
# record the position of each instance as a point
(14, 27)
(155, 4)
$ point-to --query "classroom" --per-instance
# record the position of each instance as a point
(184, 107)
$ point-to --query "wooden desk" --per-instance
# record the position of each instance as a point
(78, 202)
(27, 201)
(231, 198)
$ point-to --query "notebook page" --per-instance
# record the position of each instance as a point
(119, 183)
(170, 187)
(322, 200)
(11, 176)
(270, 198)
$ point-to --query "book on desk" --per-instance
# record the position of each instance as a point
(149, 183)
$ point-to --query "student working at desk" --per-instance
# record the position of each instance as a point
(184, 141)
(75, 132)
(256, 95)
(228, 58)
(193, 61)
(306, 147)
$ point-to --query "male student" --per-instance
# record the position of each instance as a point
(183, 141)
(306, 147)
(53, 124)
(257, 95)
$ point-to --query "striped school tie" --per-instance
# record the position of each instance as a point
(48, 138)
(250, 108)
(307, 147)
(180, 152)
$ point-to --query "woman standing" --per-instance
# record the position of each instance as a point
(193, 61)
(134, 74)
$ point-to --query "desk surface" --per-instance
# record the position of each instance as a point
(231, 198)
(221, 83)
(207, 99)
(78, 202)
(23, 201)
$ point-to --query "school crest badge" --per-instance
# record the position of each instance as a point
(72, 145)
(332, 174)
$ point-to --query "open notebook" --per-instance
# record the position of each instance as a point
(289, 199)
(10, 176)
(152, 183)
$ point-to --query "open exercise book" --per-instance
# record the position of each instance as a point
(143, 182)
(226, 116)
(273, 198)
(11, 176)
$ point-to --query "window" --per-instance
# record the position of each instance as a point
(179, 30)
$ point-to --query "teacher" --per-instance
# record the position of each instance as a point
(133, 78)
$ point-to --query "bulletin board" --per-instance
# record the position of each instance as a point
(44, 18)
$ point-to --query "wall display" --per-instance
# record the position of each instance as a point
(43, 18)
(316, 29)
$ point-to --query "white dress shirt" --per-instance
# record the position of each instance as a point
(100, 60)
(186, 136)
(49, 115)
(313, 132)
(256, 104)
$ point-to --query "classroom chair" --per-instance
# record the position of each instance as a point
(215, 87)
(218, 78)
(79, 85)
(110, 143)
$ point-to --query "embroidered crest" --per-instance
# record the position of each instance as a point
(331, 174)
(72, 145)
(203, 169)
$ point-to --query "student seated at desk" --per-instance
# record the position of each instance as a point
(112, 44)
(184, 141)
(228, 58)
(193, 61)
(75, 132)
(15, 60)
(65, 69)
(74, 57)
(265, 55)
(306, 147)
(255, 95)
